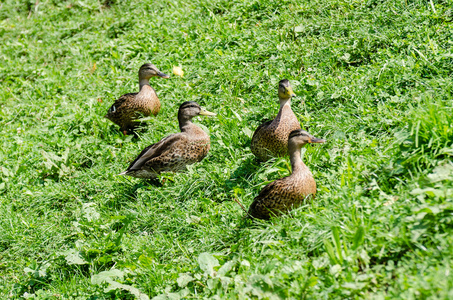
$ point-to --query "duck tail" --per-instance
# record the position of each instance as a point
(122, 173)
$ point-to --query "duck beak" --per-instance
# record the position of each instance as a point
(163, 75)
(204, 112)
(291, 92)
(314, 140)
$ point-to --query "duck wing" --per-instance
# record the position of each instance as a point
(157, 149)
(267, 200)
(262, 126)
(119, 102)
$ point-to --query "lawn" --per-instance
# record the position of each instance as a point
(374, 78)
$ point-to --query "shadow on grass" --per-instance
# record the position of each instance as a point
(129, 190)
(136, 130)
(241, 176)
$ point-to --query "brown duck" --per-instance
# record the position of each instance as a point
(132, 106)
(271, 138)
(289, 192)
(176, 151)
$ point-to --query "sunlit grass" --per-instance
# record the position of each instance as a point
(374, 78)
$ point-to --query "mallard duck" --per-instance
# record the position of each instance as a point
(176, 151)
(292, 191)
(271, 138)
(132, 106)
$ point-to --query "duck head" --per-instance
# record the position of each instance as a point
(149, 70)
(285, 91)
(190, 109)
(301, 137)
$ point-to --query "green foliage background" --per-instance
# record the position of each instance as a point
(373, 77)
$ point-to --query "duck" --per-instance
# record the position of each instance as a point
(174, 152)
(129, 107)
(292, 191)
(270, 139)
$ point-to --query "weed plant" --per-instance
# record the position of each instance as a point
(373, 77)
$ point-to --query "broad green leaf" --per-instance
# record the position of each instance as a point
(336, 239)
(107, 276)
(73, 257)
(440, 173)
(330, 251)
(133, 290)
(184, 279)
(226, 268)
(207, 263)
(358, 237)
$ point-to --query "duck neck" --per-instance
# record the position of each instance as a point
(185, 124)
(285, 104)
(297, 165)
(143, 82)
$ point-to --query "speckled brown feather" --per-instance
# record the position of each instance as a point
(176, 151)
(271, 138)
(289, 192)
(171, 154)
(283, 195)
(132, 106)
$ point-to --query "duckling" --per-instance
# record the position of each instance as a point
(271, 138)
(132, 106)
(289, 192)
(176, 151)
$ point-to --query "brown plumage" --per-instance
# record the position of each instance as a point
(176, 151)
(289, 192)
(132, 106)
(271, 138)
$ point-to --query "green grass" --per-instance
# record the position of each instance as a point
(373, 77)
